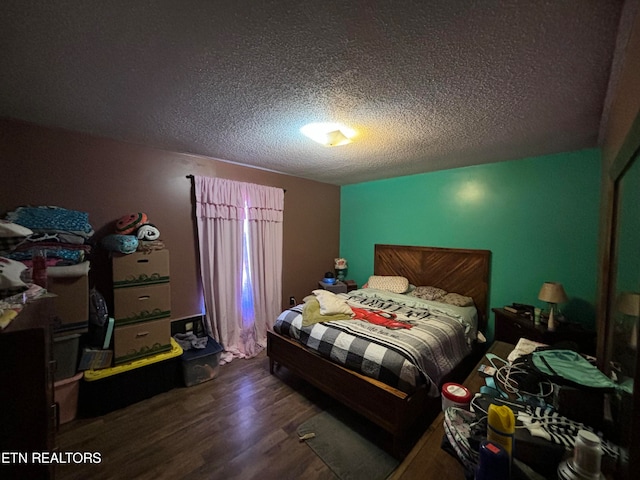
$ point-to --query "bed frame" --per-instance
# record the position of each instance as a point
(454, 270)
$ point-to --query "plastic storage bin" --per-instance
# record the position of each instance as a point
(66, 396)
(109, 389)
(201, 364)
(65, 353)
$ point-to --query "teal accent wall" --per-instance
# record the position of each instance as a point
(538, 216)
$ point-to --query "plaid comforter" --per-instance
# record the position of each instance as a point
(403, 359)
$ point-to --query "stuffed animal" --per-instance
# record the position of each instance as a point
(130, 223)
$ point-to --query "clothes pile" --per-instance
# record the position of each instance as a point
(60, 234)
(37, 243)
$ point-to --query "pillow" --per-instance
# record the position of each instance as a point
(457, 300)
(130, 223)
(389, 283)
(120, 243)
(311, 313)
(331, 304)
(10, 281)
(429, 293)
(11, 235)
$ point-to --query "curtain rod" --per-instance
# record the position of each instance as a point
(284, 189)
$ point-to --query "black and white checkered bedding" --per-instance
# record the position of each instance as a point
(404, 359)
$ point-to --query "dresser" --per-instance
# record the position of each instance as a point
(28, 413)
(141, 304)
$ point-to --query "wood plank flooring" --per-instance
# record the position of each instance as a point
(240, 425)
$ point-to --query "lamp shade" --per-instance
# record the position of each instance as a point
(552, 292)
(629, 304)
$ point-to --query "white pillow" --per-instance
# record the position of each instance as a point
(389, 283)
(331, 304)
(10, 281)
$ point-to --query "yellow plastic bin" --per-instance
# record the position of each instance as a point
(108, 389)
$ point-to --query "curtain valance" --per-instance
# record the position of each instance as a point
(232, 200)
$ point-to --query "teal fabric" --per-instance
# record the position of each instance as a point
(573, 367)
(120, 243)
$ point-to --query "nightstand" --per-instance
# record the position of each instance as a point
(351, 285)
(510, 327)
(337, 287)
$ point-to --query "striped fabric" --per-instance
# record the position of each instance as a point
(555, 428)
(544, 424)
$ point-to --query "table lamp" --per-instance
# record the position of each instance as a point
(552, 293)
(629, 304)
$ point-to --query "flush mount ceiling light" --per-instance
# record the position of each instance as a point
(328, 134)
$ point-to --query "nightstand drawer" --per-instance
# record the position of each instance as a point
(509, 328)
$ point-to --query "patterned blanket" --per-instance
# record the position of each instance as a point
(404, 359)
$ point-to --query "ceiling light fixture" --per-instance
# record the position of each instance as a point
(328, 134)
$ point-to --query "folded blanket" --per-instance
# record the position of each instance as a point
(311, 313)
(148, 232)
(77, 270)
(48, 219)
(70, 256)
(331, 304)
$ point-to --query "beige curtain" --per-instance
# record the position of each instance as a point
(240, 242)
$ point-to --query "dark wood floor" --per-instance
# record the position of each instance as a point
(242, 425)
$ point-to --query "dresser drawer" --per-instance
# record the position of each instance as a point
(141, 304)
(132, 342)
(140, 269)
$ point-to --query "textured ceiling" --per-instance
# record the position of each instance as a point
(428, 85)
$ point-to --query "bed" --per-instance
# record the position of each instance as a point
(395, 408)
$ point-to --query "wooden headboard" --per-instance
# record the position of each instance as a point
(453, 269)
